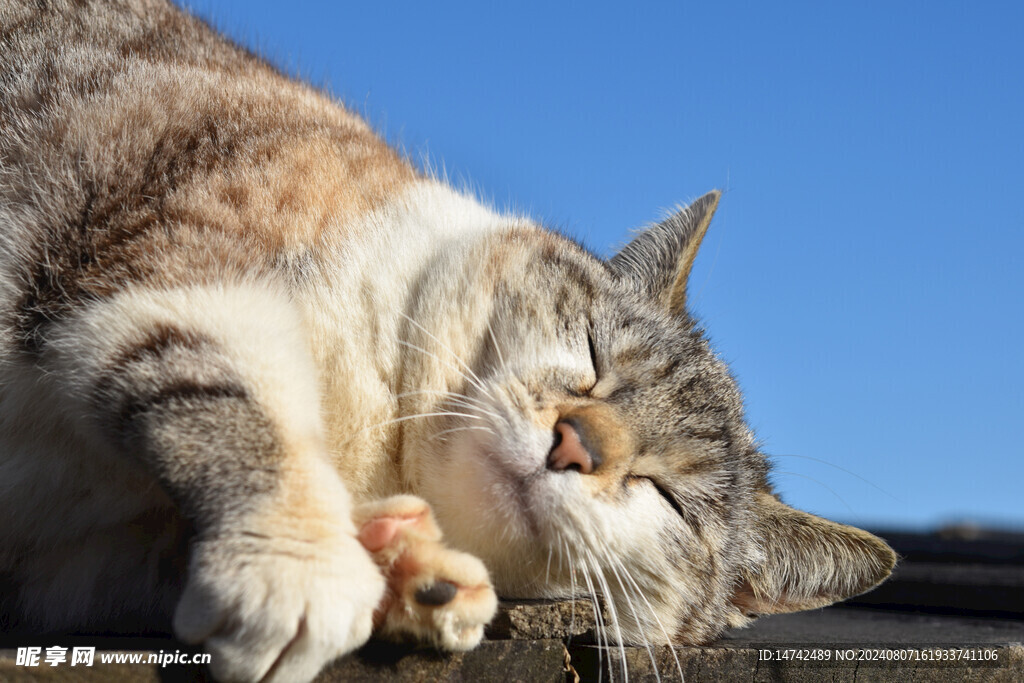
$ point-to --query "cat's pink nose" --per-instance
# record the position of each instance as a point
(569, 453)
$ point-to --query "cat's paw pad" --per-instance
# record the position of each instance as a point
(271, 609)
(435, 594)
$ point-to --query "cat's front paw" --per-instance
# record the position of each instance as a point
(277, 609)
(434, 594)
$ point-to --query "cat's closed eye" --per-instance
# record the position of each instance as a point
(661, 490)
(593, 355)
(583, 388)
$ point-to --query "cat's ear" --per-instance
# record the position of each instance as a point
(807, 561)
(658, 261)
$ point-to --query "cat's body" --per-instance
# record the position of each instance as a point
(229, 313)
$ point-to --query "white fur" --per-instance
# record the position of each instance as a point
(294, 606)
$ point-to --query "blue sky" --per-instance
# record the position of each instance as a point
(863, 273)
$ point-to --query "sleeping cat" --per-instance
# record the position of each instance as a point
(266, 385)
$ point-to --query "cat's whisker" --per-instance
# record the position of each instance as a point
(479, 382)
(603, 641)
(459, 429)
(613, 612)
(822, 485)
(598, 619)
(440, 392)
(459, 401)
(471, 378)
(471, 406)
(654, 614)
(841, 469)
(572, 583)
(559, 555)
(452, 395)
(636, 615)
(405, 418)
(497, 349)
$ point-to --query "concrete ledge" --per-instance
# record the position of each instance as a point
(551, 660)
(745, 664)
(555, 641)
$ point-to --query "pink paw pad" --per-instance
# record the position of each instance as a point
(434, 594)
(379, 533)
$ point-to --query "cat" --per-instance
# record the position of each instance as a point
(267, 386)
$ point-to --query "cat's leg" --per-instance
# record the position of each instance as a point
(212, 390)
(435, 594)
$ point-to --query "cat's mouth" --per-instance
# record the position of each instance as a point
(508, 484)
(516, 493)
(528, 501)
(497, 466)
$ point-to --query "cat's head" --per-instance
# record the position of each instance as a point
(594, 443)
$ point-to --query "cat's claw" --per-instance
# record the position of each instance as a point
(434, 594)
